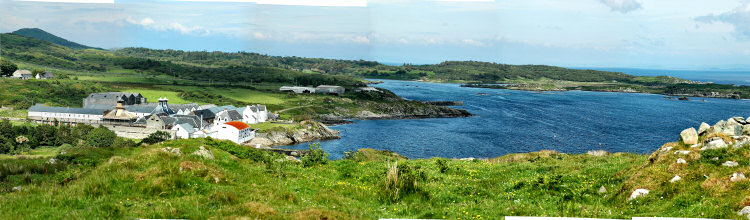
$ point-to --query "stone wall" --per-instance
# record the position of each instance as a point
(136, 132)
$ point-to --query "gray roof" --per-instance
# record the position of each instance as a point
(113, 94)
(207, 106)
(329, 87)
(192, 120)
(21, 72)
(187, 127)
(222, 108)
(229, 115)
(68, 110)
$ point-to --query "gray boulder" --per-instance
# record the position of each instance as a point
(740, 120)
(52, 161)
(703, 128)
(205, 153)
(737, 177)
(730, 164)
(681, 161)
(714, 144)
(638, 193)
(746, 129)
(602, 189)
(745, 211)
(675, 179)
(597, 153)
(683, 152)
(15, 188)
(689, 136)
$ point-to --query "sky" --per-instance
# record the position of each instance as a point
(659, 34)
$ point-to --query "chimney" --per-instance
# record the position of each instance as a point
(119, 104)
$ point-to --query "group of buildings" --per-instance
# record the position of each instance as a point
(131, 113)
(324, 89)
(25, 75)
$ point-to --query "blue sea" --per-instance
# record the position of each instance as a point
(509, 121)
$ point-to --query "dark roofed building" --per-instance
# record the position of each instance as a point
(111, 98)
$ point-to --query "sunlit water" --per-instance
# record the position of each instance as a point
(511, 121)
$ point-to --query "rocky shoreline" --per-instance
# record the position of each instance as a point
(311, 131)
(623, 89)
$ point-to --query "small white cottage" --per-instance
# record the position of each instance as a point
(183, 131)
(235, 131)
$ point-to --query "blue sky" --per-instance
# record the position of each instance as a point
(666, 34)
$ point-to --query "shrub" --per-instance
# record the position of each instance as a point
(442, 165)
(123, 142)
(403, 179)
(156, 137)
(101, 137)
(316, 156)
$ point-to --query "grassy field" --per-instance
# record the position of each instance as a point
(145, 182)
(153, 95)
(265, 126)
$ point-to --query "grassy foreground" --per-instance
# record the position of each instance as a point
(146, 182)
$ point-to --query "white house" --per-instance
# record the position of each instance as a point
(235, 131)
(44, 75)
(65, 114)
(183, 131)
(254, 114)
(22, 74)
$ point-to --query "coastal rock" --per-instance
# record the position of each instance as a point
(740, 120)
(715, 144)
(695, 145)
(737, 177)
(205, 153)
(730, 164)
(638, 193)
(368, 114)
(597, 153)
(746, 129)
(681, 161)
(689, 136)
(675, 179)
(703, 128)
(313, 131)
(467, 159)
(666, 149)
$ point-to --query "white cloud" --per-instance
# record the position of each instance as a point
(258, 35)
(738, 17)
(622, 6)
(171, 26)
(464, 0)
(472, 42)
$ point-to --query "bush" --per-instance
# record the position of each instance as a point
(123, 142)
(317, 156)
(101, 137)
(156, 137)
(442, 165)
(403, 179)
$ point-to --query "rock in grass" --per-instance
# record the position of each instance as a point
(703, 128)
(602, 189)
(681, 161)
(746, 210)
(683, 152)
(597, 153)
(737, 177)
(730, 164)
(176, 151)
(675, 179)
(205, 153)
(714, 144)
(689, 136)
(52, 161)
(16, 188)
(638, 193)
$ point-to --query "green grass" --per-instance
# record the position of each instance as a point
(265, 126)
(148, 183)
(44, 152)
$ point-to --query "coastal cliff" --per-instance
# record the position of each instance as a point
(310, 131)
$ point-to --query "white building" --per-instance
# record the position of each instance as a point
(235, 131)
(297, 89)
(22, 74)
(254, 114)
(65, 114)
(183, 131)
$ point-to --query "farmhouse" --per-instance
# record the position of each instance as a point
(333, 90)
(44, 75)
(297, 89)
(22, 74)
(235, 131)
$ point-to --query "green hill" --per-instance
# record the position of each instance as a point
(40, 34)
(241, 182)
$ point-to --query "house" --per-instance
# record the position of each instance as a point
(333, 90)
(111, 98)
(254, 114)
(22, 74)
(209, 114)
(42, 113)
(183, 131)
(297, 89)
(235, 131)
(44, 75)
(227, 115)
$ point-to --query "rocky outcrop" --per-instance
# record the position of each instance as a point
(205, 153)
(638, 193)
(689, 136)
(396, 110)
(311, 131)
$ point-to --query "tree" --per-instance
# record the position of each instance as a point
(101, 137)
(7, 68)
(156, 137)
(37, 71)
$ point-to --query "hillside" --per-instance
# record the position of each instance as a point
(156, 181)
(39, 34)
